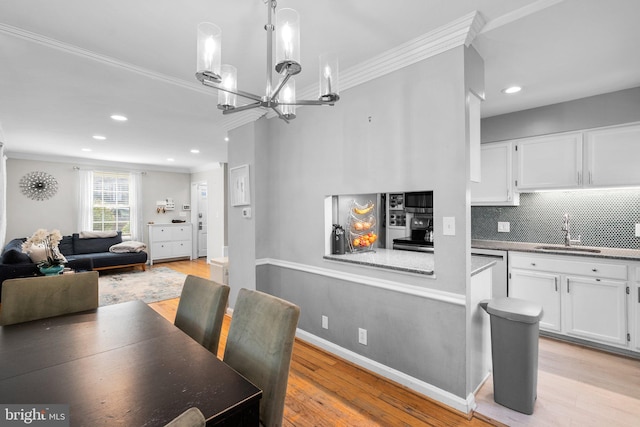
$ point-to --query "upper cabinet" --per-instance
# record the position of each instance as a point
(496, 182)
(605, 157)
(549, 162)
(611, 156)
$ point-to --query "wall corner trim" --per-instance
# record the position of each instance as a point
(423, 292)
(465, 405)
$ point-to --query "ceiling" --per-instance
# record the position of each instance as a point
(66, 66)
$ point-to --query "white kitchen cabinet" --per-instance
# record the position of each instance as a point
(611, 156)
(596, 309)
(635, 311)
(549, 162)
(582, 297)
(541, 288)
(496, 186)
(168, 241)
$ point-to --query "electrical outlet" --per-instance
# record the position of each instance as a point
(504, 227)
(637, 230)
(325, 322)
(362, 336)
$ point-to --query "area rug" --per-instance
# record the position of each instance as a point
(156, 284)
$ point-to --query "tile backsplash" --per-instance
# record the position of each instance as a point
(604, 218)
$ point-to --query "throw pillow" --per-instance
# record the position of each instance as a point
(37, 254)
(14, 256)
(97, 234)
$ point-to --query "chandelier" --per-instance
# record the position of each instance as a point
(282, 98)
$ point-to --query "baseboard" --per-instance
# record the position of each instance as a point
(463, 405)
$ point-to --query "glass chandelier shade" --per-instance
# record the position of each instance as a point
(288, 98)
(284, 51)
(287, 34)
(209, 50)
(328, 78)
(229, 82)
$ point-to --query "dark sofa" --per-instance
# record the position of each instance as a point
(81, 254)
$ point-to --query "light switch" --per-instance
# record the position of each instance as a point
(449, 225)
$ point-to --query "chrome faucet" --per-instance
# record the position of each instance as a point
(566, 225)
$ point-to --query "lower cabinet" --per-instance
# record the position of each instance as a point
(541, 288)
(582, 297)
(596, 309)
(170, 241)
(635, 311)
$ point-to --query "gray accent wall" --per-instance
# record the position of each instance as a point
(595, 111)
(405, 131)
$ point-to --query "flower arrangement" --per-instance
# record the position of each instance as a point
(45, 241)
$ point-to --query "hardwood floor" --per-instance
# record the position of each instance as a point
(576, 386)
(325, 390)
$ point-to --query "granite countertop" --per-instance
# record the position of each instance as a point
(611, 253)
(406, 261)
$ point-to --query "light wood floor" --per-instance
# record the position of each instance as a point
(577, 386)
(325, 390)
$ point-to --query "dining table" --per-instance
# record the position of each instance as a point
(120, 365)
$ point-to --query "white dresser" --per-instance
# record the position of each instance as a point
(170, 241)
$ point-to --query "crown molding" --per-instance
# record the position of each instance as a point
(460, 32)
(78, 51)
(517, 14)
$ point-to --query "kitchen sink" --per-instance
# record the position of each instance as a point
(567, 249)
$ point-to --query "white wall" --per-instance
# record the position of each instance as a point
(24, 215)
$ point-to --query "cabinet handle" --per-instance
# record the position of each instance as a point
(555, 279)
(567, 285)
(533, 264)
(590, 181)
(579, 177)
(638, 294)
(594, 269)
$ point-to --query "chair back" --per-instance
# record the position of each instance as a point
(259, 346)
(201, 310)
(192, 417)
(32, 298)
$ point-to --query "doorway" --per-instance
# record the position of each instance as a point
(199, 201)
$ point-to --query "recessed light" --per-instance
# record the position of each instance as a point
(86, 149)
(119, 118)
(226, 138)
(99, 137)
(195, 151)
(171, 160)
(511, 89)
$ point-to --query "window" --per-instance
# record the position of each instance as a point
(111, 202)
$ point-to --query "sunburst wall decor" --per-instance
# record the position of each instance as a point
(38, 185)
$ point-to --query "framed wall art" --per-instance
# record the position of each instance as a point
(240, 189)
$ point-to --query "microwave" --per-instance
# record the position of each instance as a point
(419, 202)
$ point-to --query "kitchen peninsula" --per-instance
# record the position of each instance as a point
(405, 261)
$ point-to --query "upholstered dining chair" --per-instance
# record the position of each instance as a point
(259, 346)
(33, 298)
(192, 417)
(201, 310)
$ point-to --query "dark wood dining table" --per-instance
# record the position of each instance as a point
(120, 365)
